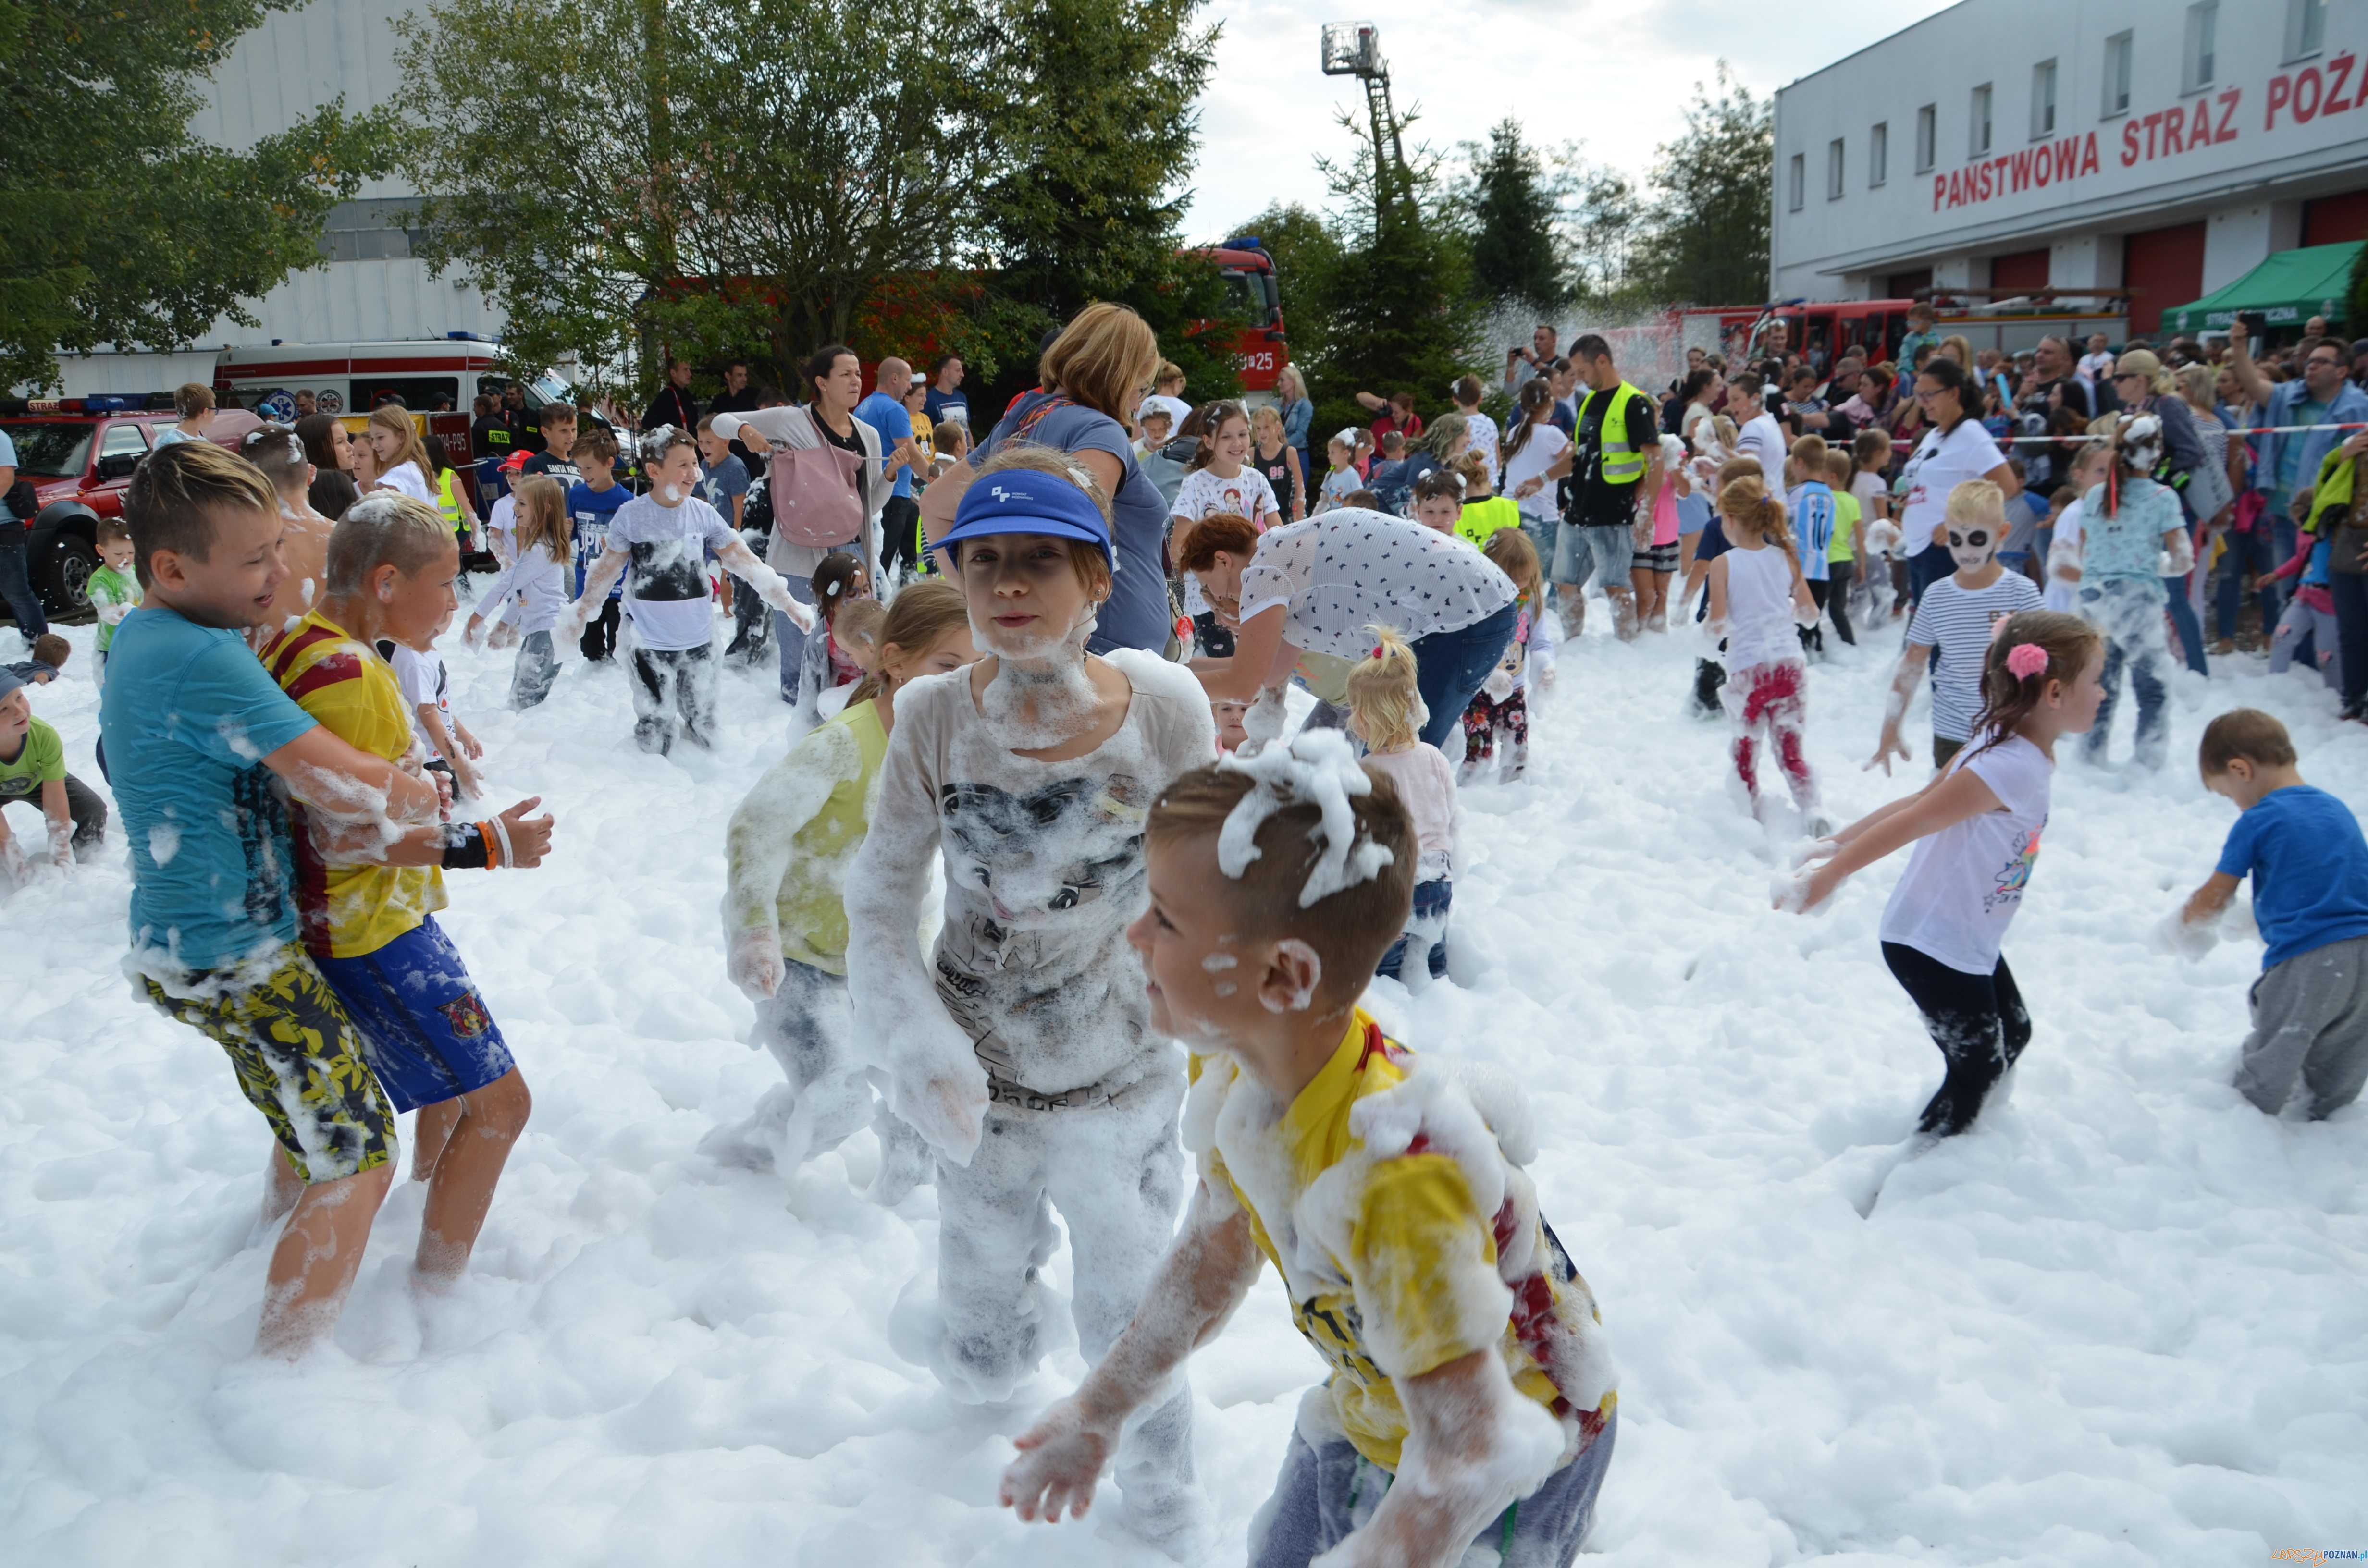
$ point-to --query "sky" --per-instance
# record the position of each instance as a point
(1615, 75)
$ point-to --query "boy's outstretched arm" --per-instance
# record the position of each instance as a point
(1912, 661)
(2210, 901)
(1206, 1273)
(1474, 1445)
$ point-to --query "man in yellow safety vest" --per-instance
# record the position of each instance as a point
(1607, 529)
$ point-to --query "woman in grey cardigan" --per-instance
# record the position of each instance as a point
(834, 379)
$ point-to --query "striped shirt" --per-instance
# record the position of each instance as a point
(346, 910)
(1813, 527)
(1956, 623)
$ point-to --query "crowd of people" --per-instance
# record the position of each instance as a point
(1056, 661)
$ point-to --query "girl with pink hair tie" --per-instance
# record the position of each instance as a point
(1976, 828)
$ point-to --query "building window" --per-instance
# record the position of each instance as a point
(2306, 29)
(2117, 75)
(2203, 47)
(2043, 101)
(1928, 138)
(1833, 169)
(1981, 127)
(1878, 153)
(1800, 180)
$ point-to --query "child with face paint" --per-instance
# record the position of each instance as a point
(2127, 524)
(1955, 620)
(1024, 1050)
(1471, 1405)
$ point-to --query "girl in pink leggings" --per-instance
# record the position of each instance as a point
(1757, 599)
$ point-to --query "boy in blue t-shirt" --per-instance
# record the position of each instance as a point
(194, 728)
(1811, 501)
(2309, 865)
(591, 504)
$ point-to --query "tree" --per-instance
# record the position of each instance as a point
(119, 225)
(1514, 210)
(741, 186)
(1398, 307)
(1706, 235)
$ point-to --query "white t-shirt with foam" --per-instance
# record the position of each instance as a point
(1941, 463)
(1964, 883)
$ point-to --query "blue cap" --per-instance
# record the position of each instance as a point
(1028, 500)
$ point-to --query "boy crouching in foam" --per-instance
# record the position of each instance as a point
(1471, 1398)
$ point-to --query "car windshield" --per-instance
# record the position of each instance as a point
(48, 451)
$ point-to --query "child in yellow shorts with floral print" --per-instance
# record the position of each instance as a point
(1471, 1400)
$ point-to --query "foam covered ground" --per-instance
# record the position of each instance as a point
(2122, 1323)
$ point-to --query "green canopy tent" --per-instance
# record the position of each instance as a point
(2290, 288)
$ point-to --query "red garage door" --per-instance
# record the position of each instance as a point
(2334, 219)
(2165, 267)
(1903, 285)
(2025, 272)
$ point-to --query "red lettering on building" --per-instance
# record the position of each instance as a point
(2129, 143)
(2309, 85)
(2339, 70)
(2089, 164)
(2228, 102)
(2281, 93)
(2174, 128)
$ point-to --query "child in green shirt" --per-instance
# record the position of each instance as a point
(114, 588)
(33, 768)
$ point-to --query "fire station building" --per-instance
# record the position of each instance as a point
(2014, 145)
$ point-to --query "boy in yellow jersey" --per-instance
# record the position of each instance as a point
(1471, 1399)
(365, 907)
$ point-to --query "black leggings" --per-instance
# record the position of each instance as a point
(1977, 1021)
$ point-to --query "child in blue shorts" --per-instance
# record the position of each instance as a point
(2309, 1051)
(366, 908)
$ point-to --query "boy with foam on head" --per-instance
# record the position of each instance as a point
(1471, 1400)
(2308, 1055)
(195, 729)
(33, 768)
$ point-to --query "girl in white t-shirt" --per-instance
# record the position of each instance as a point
(401, 456)
(1976, 828)
(2062, 591)
(1385, 711)
(1220, 481)
(1530, 451)
(1758, 596)
(533, 590)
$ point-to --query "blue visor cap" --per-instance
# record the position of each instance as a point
(1026, 501)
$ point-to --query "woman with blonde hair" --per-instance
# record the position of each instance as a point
(1298, 413)
(1091, 380)
(402, 460)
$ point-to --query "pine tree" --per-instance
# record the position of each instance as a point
(1513, 211)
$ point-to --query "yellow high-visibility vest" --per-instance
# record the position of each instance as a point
(448, 502)
(1624, 460)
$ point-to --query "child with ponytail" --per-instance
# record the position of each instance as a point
(1758, 601)
(1499, 714)
(1386, 712)
(785, 915)
(1975, 827)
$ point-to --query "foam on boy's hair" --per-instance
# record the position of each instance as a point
(384, 527)
(1275, 839)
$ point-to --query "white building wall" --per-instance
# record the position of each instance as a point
(276, 76)
(2259, 163)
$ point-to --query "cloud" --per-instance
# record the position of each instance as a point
(1614, 76)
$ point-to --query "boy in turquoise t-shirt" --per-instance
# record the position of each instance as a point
(114, 588)
(33, 768)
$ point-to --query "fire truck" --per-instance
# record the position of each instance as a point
(1248, 272)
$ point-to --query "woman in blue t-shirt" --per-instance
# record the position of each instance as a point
(1091, 379)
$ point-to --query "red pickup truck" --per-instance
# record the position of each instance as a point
(78, 454)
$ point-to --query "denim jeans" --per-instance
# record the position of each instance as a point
(2350, 592)
(1450, 667)
(16, 585)
(2249, 554)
